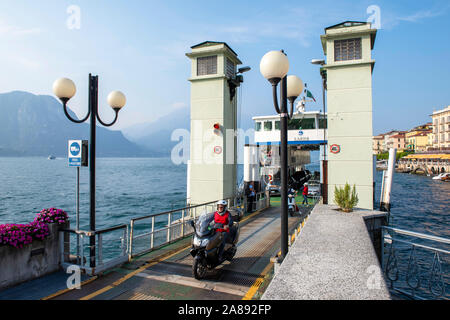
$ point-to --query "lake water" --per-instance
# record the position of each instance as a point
(134, 187)
(126, 188)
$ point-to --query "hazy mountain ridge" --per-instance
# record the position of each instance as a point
(35, 125)
(157, 134)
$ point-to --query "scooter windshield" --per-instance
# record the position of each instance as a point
(203, 222)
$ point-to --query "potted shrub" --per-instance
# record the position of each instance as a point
(345, 198)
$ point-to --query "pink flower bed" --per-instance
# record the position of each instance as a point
(19, 235)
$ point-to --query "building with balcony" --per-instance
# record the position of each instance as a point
(418, 142)
(378, 144)
(441, 129)
(395, 139)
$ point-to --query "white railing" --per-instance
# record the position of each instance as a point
(117, 245)
(111, 248)
(160, 229)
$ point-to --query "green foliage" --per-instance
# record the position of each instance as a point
(385, 155)
(345, 198)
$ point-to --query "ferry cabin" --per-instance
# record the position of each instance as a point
(307, 131)
(306, 128)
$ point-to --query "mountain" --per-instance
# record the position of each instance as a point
(35, 125)
(157, 135)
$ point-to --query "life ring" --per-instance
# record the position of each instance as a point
(270, 178)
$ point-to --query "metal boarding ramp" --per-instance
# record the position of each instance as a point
(117, 245)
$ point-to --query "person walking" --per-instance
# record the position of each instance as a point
(251, 197)
(305, 194)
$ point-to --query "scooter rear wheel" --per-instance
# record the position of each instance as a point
(198, 269)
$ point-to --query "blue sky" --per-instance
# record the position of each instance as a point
(138, 47)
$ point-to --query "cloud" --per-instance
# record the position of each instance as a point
(26, 62)
(258, 31)
(10, 30)
(391, 20)
(426, 14)
(179, 105)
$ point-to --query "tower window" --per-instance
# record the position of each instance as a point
(348, 49)
(207, 65)
(231, 68)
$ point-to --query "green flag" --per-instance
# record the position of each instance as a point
(309, 94)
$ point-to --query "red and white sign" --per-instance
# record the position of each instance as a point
(335, 148)
(217, 150)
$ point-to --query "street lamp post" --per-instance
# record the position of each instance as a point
(65, 89)
(274, 67)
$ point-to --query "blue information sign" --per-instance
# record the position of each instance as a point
(74, 153)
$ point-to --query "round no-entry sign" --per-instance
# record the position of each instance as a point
(335, 148)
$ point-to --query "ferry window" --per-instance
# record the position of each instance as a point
(277, 125)
(206, 65)
(258, 126)
(323, 124)
(348, 49)
(301, 124)
(268, 126)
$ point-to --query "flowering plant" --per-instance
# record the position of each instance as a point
(19, 235)
(52, 215)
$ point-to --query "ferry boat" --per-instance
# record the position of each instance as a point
(307, 131)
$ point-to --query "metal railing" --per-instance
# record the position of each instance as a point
(143, 235)
(151, 232)
(106, 244)
(425, 268)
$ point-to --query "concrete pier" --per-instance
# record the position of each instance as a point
(332, 259)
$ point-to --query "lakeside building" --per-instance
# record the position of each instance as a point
(418, 142)
(418, 138)
(396, 141)
(441, 129)
(387, 137)
(378, 144)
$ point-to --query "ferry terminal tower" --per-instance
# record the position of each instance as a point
(212, 169)
(349, 69)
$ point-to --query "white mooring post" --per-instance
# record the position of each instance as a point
(385, 200)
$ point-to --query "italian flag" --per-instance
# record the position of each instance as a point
(309, 95)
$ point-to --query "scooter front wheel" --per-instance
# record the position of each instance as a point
(198, 269)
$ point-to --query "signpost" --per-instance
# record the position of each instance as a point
(77, 155)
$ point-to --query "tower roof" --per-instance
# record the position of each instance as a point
(355, 28)
(212, 43)
(347, 24)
